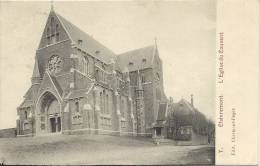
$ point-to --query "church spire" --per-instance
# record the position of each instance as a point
(52, 7)
(36, 77)
(36, 72)
(155, 42)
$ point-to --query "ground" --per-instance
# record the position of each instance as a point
(99, 149)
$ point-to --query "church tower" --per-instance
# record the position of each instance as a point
(140, 106)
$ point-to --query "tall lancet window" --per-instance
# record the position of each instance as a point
(86, 65)
(52, 33)
(57, 33)
(48, 36)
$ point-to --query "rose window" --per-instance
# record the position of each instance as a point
(54, 64)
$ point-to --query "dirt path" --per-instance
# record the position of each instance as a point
(93, 149)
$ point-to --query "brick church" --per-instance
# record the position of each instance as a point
(79, 85)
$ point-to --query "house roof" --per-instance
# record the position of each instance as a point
(183, 107)
(88, 44)
(136, 59)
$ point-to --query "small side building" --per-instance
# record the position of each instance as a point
(183, 123)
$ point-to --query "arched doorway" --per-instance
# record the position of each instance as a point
(50, 118)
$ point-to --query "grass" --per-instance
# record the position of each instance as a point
(99, 149)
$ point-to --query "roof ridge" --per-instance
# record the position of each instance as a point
(83, 32)
(137, 49)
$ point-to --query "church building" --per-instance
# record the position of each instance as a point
(79, 85)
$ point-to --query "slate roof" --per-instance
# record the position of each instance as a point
(136, 58)
(28, 95)
(26, 103)
(183, 107)
(28, 99)
(57, 85)
(89, 44)
(159, 124)
(78, 93)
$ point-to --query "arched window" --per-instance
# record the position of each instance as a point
(53, 34)
(48, 32)
(25, 114)
(97, 75)
(103, 74)
(101, 101)
(122, 108)
(143, 79)
(157, 76)
(57, 37)
(86, 70)
(76, 106)
(57, 33)
(104, 101)
(107, 104)
(52, 24)
(57, 28)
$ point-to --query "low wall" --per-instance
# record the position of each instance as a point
(105, 132)
(196, 139)
(8, 133)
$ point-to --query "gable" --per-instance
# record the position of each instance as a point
(183, 108)
(49, 83)
(53, 32)
(136, 59)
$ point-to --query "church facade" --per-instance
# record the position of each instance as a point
(79, 85)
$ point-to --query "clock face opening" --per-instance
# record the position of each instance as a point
(54, 64)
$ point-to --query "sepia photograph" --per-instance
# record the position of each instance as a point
(107, 82)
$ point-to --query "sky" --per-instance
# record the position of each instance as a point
(184, 31)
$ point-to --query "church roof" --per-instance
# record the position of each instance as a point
(88, 43)
(56, 84)
(28, 95)
(136, 59)
(79, 93)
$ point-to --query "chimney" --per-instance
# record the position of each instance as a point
(191, 99)
(171, 100)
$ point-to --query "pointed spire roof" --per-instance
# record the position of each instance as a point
(52, 7)
(155, 42)
(36, 72)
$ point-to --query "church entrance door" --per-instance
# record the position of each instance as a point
(55, 124)
(50, 120)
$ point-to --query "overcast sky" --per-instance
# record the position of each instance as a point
(185, 32)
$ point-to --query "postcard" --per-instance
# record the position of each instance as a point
(129, 82)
